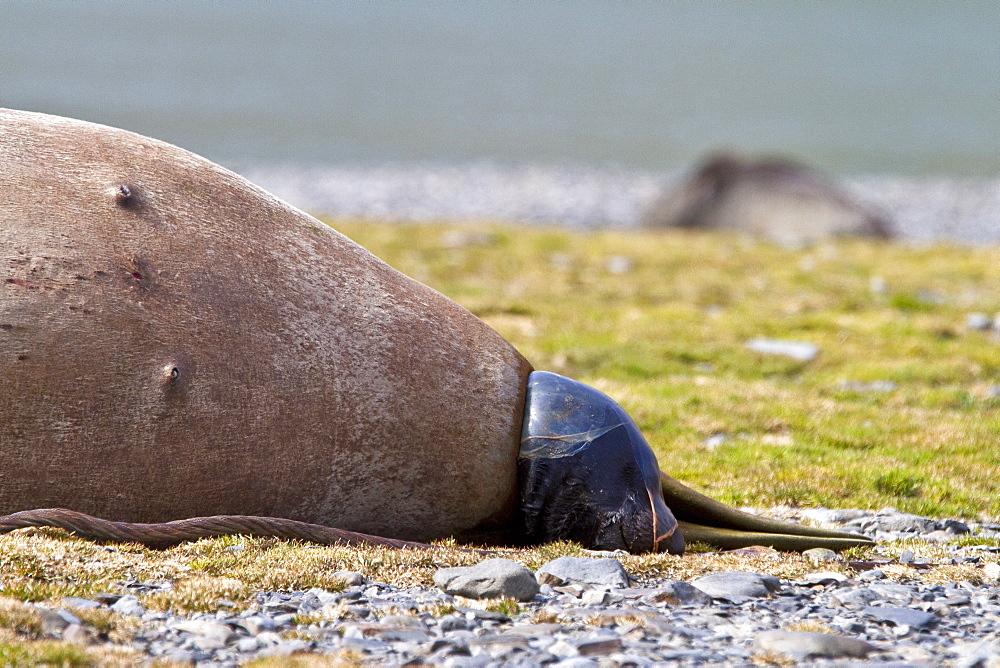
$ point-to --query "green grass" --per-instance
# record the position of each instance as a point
(667, 340)
(43, 653)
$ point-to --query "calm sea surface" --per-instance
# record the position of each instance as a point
(910, 88)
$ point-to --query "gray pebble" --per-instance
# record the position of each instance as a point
(285, 619)
(890, 519)
(76, 634)
(800, 351)
(129, 605)
(976, 655)
(822, 578)
(267, 638)
(678, 592)
(452, 623)
(482, 615)
(350, 578)
(480, 661)
(598, 597)
(978, 321)
(247, 644)
(181, 656)
(855, 597)
(205, 628)
(206, 643)
(602, 572)
(284, 648)
(351, 594)
(714, 441)
(830, 518)
(804, 644)
(82, 603)
(871, 575)
(255, 624)
(404, 635)
(493, 578)
(576, 662)
(897, 594)
(599, 646)
(562, 648)
(54, 622)
(902, 616)
(822, 554)
(737, 585)
(956, 527)
(870, 386)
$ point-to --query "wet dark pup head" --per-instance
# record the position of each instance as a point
(587, 474)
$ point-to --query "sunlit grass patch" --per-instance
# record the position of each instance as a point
(505, 606)
(898, 409)
(23, 644)
(895, 410)
(311, 660)
(49, 652)
(20, 618)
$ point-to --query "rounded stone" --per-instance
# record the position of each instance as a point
(493, 578)
(805, 644)
(601, 572)
(738, 584)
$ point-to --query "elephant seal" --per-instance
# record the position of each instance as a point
(775, 198)
(177, 343)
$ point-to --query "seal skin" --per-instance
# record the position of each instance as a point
(587, 474)
(175, 342)
(777, 198)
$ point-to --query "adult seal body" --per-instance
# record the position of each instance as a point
(776, 198)
(177, 343)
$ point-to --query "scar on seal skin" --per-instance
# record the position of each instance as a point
(232, 360)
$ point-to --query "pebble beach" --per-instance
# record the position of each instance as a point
(589, 611)
(923, 209)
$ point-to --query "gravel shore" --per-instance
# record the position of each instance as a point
(894, 609)
(922, 209)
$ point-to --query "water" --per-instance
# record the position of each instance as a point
(854, 87)
(568, 112)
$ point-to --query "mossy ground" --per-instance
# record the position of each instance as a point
(659, 321)
(666, 338)
(40, 567)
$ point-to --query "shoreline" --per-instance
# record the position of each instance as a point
(923, 209)
(913, 598)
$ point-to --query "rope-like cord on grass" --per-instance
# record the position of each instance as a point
(165, 534)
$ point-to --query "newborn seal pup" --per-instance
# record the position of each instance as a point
(177, 343)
